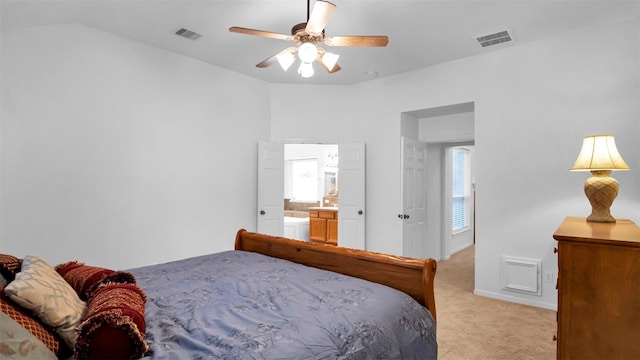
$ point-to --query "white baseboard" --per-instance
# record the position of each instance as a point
(517, 300)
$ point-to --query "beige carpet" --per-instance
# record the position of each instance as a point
(477, 327)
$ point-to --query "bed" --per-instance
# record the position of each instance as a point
(270, 298)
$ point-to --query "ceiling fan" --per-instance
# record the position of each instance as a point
(307, 35)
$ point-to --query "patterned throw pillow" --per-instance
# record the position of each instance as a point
(48, 337)
(85, 279)
(115, 324)
(17, 343)
(41, 290)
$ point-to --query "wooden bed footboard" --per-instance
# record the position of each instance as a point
(411, 276)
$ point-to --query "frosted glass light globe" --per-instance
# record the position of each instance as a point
(306, 70)
(307, 52)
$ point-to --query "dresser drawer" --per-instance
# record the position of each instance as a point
(327, 214)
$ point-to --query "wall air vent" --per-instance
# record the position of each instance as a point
(494, 39)
(188, 34)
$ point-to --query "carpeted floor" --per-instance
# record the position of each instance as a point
(474, 327)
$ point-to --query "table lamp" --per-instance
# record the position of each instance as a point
(600, 156)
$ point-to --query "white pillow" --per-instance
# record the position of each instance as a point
(41, 290)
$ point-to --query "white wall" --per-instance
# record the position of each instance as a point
(362, 113)
(119, 154)
(533, 103)
(447, 128)
(435, 201)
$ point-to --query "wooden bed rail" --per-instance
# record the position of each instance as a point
(412, 276)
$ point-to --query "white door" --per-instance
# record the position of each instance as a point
(270, 188)
(351, 195)
(414, 210)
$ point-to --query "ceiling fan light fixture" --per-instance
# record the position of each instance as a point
(286, 59)
(306, 36)
(307, 52)
(330, 60)
(306, 70)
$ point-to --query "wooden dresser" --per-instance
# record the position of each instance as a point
(598, 290)
(323, 225)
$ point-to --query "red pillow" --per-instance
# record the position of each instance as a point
(35, 327)
(85, 279)
(9, 266)
(115, 326)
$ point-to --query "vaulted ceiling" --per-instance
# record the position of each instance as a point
(421, 33)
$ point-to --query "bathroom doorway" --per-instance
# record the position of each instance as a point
(310, 181)
(349, 178)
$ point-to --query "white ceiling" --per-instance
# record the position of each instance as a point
(421, 33)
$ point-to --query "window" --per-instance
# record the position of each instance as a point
(460, 188)
(304, 180)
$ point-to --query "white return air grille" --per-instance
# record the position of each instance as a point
(494, 39)
(521, 275)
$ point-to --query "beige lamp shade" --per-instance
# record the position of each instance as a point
(599, 152)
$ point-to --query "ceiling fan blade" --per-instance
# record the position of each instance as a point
(357, 41)
(268, 62)
(273, 59)
(322, 12)
(268, 34)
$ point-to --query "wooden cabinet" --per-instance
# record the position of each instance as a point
(317, 227)
(323, 225)
(598, 290)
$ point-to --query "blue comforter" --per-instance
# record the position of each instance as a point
(244, 305)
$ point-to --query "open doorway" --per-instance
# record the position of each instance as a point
(458, 197)
(310, 181)
(443, 129)
(351, 199)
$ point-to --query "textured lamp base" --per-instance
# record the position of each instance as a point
(601, 190)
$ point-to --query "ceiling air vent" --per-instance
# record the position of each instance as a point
(188, 34)
(494, 39)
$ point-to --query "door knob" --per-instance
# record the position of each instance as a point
(359, 212)
(262, 212)
(406, 216)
